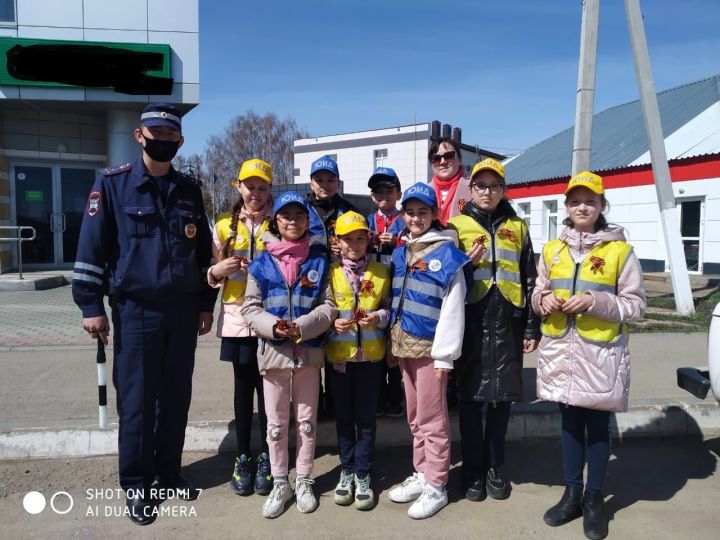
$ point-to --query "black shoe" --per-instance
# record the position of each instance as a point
(380, 409)
(567, 509)
(140, 510)
(476, 491)
(243, 475)
(178, 487)
(498, 486)
(595, 524)
(395, 410)
(263, 477)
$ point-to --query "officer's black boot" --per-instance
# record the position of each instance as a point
(595, 523)
(567, 509)
(141, 510)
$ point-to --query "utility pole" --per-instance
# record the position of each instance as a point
(661, 170)
(586, 87)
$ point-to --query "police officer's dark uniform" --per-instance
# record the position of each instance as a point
(148, 239)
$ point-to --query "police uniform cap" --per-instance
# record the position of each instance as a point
(161, 114)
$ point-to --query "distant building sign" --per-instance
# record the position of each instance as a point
(129, 68)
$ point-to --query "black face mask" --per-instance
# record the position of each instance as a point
(161, 151)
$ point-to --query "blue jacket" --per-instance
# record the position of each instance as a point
(130, 242)
(418, 295)
(322, 229)
(302, 297)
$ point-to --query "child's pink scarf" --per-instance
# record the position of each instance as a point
(291, 255)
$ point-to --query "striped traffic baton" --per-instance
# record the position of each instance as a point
(102, 388)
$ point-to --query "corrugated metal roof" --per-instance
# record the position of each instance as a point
(618, 135)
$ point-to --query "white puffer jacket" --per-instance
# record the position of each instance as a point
(576, 372)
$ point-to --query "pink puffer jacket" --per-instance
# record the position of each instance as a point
(573, 371)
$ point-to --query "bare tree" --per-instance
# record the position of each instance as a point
(247, 136)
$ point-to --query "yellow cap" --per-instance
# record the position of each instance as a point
(488, 164)
(349, 222)
(255, 167)
(586, 179)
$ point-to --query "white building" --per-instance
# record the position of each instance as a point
(403, 148)
(53, 136)
(690, 116)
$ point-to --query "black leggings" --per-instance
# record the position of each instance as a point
(575, 421)
(482, 446)
(247, 382)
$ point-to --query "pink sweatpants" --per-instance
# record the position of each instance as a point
(301, 386)
(427, 414)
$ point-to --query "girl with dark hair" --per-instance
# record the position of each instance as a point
(289, 304)
(237, 240)
(426, 328)
(500, 328)
(589, 287)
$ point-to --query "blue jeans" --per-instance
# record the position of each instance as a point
(575, 421)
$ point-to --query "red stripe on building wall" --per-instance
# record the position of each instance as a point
(681, 170)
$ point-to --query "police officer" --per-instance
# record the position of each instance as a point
(145, 237)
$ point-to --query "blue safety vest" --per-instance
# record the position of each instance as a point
(289, 303)
(418, 295)
(318, 234)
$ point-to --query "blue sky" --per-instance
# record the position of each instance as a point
(505, 72)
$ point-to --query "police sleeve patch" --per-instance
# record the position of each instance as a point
(94, 204)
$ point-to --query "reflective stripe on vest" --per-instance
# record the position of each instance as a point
(234, 287)
(342, 347)
(598, 272)
(418, 296)
(502, 250)
(277, 297)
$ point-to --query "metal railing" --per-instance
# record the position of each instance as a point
(19, 238)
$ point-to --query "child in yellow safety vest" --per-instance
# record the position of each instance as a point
(500, 328)
(589, 287)
(237, 240)
(355, 351)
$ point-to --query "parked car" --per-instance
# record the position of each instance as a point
(699, 381)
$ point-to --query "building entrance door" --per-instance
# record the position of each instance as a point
(52, 199)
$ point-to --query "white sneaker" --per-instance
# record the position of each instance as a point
(343, 494)
(410, 489)
(280, 495)
(429, 503)
(304, 496)
(364, 496)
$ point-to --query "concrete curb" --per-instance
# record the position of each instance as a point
(528, 421)
(33, 284)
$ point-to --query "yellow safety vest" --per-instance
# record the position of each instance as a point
(598, 271)
(504, 249)
(343, 347)
(245, 246)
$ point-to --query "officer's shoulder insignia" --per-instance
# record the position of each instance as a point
(116, 169)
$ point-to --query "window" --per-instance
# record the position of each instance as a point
(380, 157)
(524, 212)
(7, 11)
(551, 219)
